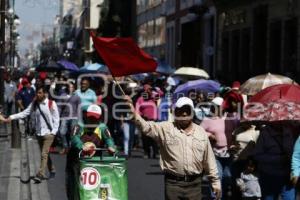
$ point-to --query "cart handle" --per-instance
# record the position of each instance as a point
(100, 149)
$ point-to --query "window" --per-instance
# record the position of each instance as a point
(160, 24)
(150, 33)
(142, 35)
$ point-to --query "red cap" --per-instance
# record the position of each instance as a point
(236, 85)
(94, 111)
(24, 81)
(43, 75)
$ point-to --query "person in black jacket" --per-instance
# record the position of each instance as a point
(273, 154)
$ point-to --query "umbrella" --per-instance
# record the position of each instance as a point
(68, 65)
(139, 77)
(191, 72)
(49, 66)
(164, 68)
(94, 68)
(258, 83)
(198, 85)
(172, 81)
(286, 92)
(275, 103)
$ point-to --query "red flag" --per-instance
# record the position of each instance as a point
(122, 56)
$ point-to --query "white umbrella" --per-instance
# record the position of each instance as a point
(191, 71)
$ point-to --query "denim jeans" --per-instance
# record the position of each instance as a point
(224, 170)
(128, 138)
(274, 186)
(66, 127)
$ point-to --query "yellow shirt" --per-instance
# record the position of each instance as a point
(182, 153)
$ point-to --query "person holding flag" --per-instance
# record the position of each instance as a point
(185, 152)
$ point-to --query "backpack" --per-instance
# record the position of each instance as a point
(50, 104)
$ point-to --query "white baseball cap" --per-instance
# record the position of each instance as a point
(182, 101)
(94, 111)
(218, 101)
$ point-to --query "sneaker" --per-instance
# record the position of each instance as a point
(39, 178)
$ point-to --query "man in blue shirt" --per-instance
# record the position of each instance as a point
(24, 97)
(86, 95)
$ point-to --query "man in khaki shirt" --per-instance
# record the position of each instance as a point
(185, 151)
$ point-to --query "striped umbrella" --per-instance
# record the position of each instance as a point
(260, 82)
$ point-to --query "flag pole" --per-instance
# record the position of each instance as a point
(119, 86)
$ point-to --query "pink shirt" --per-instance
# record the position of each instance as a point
(147, 108)
(222, 129)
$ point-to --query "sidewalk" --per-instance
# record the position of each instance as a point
(18, 167)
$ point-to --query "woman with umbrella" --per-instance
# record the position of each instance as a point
(279, 108)
(273, 152)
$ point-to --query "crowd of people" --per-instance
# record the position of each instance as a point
(199, 134)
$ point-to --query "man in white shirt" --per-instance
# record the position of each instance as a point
(47, 123)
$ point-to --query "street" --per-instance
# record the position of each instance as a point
(145, 180)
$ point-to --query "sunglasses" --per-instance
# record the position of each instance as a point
(184, 111)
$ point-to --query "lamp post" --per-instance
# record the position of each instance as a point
(13, 21)
(2, 51)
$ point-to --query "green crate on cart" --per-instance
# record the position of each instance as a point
(103, 178)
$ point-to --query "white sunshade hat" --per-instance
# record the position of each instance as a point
(182, 101)
(218, 101)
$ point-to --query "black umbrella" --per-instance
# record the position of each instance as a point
(49, 66)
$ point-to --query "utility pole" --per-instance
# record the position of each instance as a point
(2, 51)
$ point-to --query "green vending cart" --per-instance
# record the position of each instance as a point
(103, 178)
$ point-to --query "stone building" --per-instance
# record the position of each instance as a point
(256, 37)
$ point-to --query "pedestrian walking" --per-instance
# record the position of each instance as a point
(273, 153)
(47, 123)
(69, 116)
(147, 109)
(248, 182)
(219, 129)
(24, 97)
(87, 96)
(296, 163)
(185, 150)
(10, 90)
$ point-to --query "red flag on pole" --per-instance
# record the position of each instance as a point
(122, 56)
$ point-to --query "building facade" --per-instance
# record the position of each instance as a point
(151, 26)
(256, 37)
(190, 33)
(181, 32)
(108, 18)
